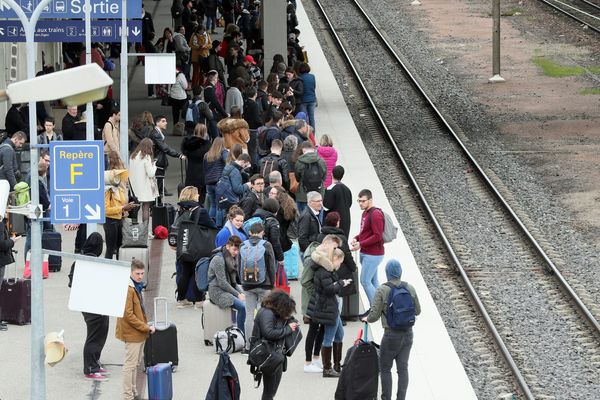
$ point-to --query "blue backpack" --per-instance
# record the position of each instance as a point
(253, 270)
(202, 271)
(400, 312)
(248, 223)
(224, 192)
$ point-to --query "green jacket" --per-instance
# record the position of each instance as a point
(380, 302)
(308, 287)
(303, 161)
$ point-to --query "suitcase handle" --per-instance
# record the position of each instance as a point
(158, 324)
(366, 333)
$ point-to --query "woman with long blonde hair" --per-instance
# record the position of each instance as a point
(142, 176)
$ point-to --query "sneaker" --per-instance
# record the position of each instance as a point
(318, 363)
(199, 305)
(103, 371)
(152, 96)
(184, 303)
(96, 376)
(312, 368)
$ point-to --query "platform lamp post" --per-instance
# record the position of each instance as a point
(74, 86)
(496, 78)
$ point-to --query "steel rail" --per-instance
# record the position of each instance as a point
(572, 16)
(473, 293)
(550, 266)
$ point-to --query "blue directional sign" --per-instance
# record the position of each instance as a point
(68, 9)
(71, 31)
(77, 187)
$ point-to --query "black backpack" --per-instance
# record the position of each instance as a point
(268, 165)
(262, 133)
(312, 179)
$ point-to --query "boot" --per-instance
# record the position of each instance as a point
(337, 356)
(328, 372)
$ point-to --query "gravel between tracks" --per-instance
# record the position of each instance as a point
(576, 256)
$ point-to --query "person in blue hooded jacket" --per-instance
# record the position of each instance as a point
(308, 101)
(396, 342)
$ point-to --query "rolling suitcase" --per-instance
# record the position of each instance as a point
(53, 241)
(351, 304)
(214, 319)
(161, 346)
(163, 214)
(15, 300)
(359, 378)
(160, 381)
(291, 262)
(138, 253)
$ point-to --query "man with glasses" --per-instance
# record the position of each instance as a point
(253, 199)
(309, 224)
(370, 242)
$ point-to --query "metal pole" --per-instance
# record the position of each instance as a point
(89, 109)
(124, 124)
(496, 78)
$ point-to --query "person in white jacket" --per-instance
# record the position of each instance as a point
(142, 170)
(177, 94)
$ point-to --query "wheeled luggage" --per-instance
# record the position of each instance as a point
(53, 241)
(161, 346)
(160, 381)
(139, 253)
(15, 300)
(214, 319)
(359, 378)
(291, 261)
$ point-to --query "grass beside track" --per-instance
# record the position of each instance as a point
(555, 70)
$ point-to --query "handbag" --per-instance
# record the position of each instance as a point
(264, 357)
(230, 340)
(193, 241)
(281, 281)
(134, 235)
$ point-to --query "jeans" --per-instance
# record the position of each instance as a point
(97, 332)
(211, 22)
(213, 210)
(368, 274)
(309, 109)
(240, 307)
(254, 298)
(271, 383)
(187, 272)
(333, 333)
(395, 345)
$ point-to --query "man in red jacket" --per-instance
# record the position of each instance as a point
(370, 242)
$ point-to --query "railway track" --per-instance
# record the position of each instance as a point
(518, 291)
(586, 12)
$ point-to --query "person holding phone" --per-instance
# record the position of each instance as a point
(323, 307)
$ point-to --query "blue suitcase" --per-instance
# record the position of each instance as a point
(160, 382)
(291, 261)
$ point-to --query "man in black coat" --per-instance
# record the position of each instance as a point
(252, 113)
(253, 199)
(161, 150)
(274, 162)
(211, 97)
(338, 197)
(68, 123)
(16, 120)
(309, 224)
(272, 230)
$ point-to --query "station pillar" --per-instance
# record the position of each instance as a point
(274, 30)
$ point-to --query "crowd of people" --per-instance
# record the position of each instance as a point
(256, 172)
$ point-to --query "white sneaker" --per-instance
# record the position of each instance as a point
(199, 305)
(312, 368)
(184, 303)
(318, 363)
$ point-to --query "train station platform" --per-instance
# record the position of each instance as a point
(435, 370)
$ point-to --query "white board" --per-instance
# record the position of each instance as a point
(159, 68)
(99, 288)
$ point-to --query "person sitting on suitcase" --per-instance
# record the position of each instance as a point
(133, 328)
(398, 335)
(323, 306)
(224, 289)
(257, 272)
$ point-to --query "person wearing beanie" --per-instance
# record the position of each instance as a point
(396, 342)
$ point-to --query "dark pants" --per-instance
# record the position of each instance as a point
(113, 234)
(176, 107)
(97, 332)
(188, 270)
(271, 383)
(160, 180)
(314, 340)
(80, 237)
(395, 345)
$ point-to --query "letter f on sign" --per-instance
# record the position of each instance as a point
(75, 173)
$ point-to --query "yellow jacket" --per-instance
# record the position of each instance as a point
(115, 196)
(133, 326)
